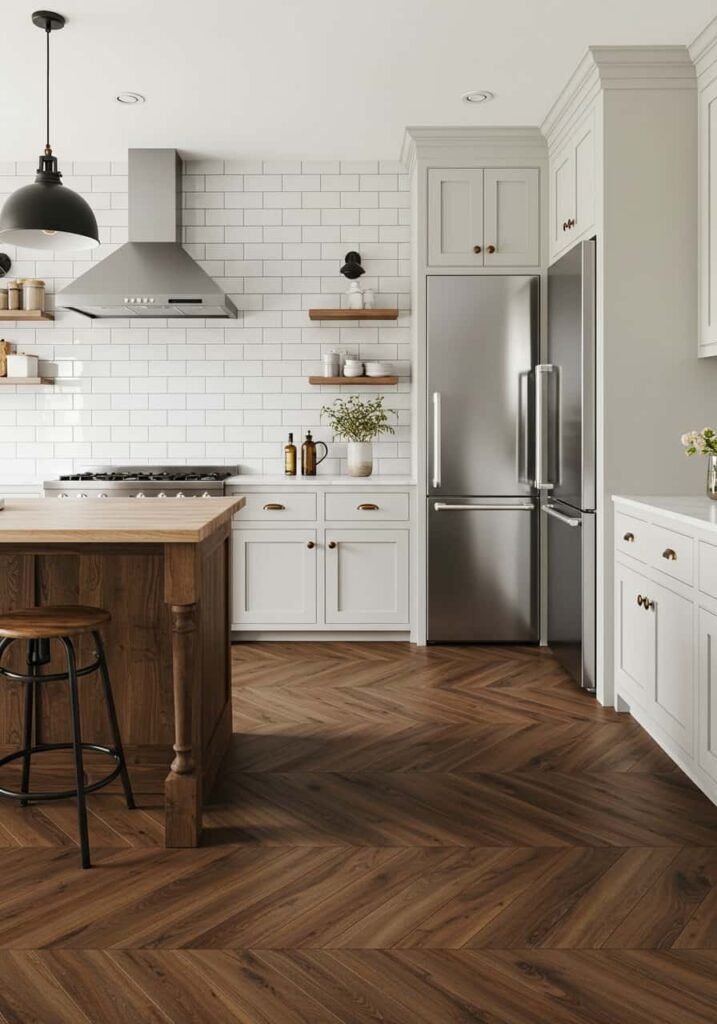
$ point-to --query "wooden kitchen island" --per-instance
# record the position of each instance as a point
(163, 570)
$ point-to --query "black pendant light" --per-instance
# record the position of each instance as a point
(46, 215)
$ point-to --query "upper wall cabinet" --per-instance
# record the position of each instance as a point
(486, 217)
(572, 189)
(704, 53)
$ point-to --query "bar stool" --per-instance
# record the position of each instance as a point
(39, 626)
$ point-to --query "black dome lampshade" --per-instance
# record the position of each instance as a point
(47, 215)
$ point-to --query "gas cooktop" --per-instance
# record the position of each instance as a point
(143, 482)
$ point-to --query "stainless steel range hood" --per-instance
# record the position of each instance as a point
(151, 275)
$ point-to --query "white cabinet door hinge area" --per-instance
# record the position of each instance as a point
(367, 576)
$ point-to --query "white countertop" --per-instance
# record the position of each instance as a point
(371, 482)
(693, 510)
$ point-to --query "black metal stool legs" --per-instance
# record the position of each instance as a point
(114, 725)
(30, 697)
(77, 750)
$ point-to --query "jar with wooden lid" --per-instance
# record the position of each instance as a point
(14, 295)
(33, 294)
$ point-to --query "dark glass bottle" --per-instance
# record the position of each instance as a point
(309, 462)
(290, 457)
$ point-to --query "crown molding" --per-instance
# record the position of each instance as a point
(429, 141)
(703, 50)
(603, 68)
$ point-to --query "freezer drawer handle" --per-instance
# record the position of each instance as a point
(436, 439)
(550, 510)
(519, 507)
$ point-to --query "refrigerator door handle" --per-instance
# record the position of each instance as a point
(515, 507)
(551, 510)
(436, 439)
(545, 460)
(525, 469)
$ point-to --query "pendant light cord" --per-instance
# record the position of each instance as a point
(47, 89)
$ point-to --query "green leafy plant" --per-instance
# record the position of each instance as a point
(355, 420)
(702, 442)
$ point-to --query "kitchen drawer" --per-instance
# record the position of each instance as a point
(672, 553)
(367, 506)
(279, 506)
(707, 568)
(632, 536)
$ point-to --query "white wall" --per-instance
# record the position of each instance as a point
(273, 235)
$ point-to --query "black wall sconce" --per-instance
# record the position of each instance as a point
(5, 263)
(352, 266)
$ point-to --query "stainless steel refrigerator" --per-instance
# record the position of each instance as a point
(483, 552)
(565, 396)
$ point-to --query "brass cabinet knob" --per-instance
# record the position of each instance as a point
(332, 544)
(565, 225)
(274, 506)
(310, 544)
(647, 604)
(571, 222)
(477, 249)
(640, 599)
(367, 506)
(629, 537)
(670, 555)
(490, 248)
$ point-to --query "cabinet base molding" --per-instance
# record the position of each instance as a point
(325, 635)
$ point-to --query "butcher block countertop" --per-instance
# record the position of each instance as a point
(114, 521)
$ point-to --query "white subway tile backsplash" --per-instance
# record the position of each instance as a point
(272, 234)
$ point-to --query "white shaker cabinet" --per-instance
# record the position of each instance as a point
(666, 627)
(366, 576)
(484, 217)
(275, 577)
(704, 54)
(572, 189)
(313, 559)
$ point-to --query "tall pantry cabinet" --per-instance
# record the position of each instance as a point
(622, 142)
(704, 54)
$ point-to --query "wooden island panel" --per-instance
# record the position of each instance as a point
(168, 644)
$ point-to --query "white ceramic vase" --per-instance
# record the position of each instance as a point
(360, 458)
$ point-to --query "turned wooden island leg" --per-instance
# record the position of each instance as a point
(183, 790)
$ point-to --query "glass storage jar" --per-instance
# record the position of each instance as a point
(33, 294)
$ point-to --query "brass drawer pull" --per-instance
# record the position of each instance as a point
(629, 537)
(332, 544)
(670, 555)
(477, 249)
(367, 506)
(310, 544)
(274, 506)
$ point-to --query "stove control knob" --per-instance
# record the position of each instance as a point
(206, 494)
(140, 494)
(102, 495)
(162, 494)
(180, 494)
(81, 495)
(62, 494)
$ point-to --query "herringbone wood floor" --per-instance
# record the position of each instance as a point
(400, 835)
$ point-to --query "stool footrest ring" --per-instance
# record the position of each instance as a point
(65, 794)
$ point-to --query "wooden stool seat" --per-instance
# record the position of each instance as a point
(52, 621)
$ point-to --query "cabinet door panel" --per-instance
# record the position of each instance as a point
(367, 576)
(455, 217)
(584, 162)
(512, 217)
(707, 694)
(636, 637)
(274, 577)
(708, 219)
(674, 676)
(562, 198)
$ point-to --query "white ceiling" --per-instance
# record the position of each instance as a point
(320, 79)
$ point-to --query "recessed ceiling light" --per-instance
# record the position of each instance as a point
(129, 98)
(481, 96)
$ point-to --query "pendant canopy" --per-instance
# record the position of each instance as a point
(47, 215)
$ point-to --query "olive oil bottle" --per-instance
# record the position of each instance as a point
(290, 457)
(309, 462)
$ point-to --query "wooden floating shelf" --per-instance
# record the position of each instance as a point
(353, 380)
(353, 314)
(21, 381)
(25, 314)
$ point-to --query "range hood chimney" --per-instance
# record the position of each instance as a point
(151, 275)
